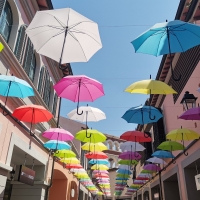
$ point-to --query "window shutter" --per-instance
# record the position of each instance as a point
(2, 4)
(41, 78)
(21, 39)
(55, 100)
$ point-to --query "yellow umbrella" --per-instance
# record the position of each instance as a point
(99, 167)
(150, 87)
(81, 176)
(64, 154)
(70, 160)
(94, 147)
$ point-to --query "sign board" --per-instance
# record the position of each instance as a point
(26, 175)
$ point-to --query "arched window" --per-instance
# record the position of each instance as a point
(6, 20)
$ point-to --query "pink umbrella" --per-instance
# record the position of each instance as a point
(129, 155)
(152, 167)
(58, 134)
(191, 114)
(79, 88)
(103, 181)
(100, 171)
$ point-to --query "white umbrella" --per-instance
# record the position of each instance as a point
(64, 35)
(131, 146)
(124, 167)
(77, 170)
(89, 114)
(156, 160)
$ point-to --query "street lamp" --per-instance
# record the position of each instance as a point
(188, 101)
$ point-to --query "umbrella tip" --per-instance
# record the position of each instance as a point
(166, 20)
(150, 76)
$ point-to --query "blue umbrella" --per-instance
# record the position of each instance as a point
(124, 171)
(167, 38)
(56, 145)
(140, 115)
(12, 86)
(118, 178)
(163, 154)
(99, 161)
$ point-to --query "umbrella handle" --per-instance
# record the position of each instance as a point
(164, 169)
(154, 117)
(173, 77)
(5, 113)
(78, 112)
(173, 161)
(145, 135)
(185, 153)
(90, 134)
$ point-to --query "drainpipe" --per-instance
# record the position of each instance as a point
(161, 195)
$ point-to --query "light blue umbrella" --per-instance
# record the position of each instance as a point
(163, 154)
(99, 161)
(168, 37)
(118, 178)
(140, 115)
(124, 171)
(56, 145)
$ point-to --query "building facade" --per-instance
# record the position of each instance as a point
(180, 179)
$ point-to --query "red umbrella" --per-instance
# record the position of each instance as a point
(142, 178)
(32, 113)
(101, 175)
(96, 155)
(76, 166)
(135, 136)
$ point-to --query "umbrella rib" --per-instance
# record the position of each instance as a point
(172, 33)
(61, 23)
(160, 41)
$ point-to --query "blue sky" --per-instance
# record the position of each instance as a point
(116, 65)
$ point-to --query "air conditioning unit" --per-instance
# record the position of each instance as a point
(197, 180)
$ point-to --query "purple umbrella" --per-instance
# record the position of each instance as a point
(191, 114)
(138, 182)
(129, 155)
(152, 167)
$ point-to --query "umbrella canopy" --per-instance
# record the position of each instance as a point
(99, 167)
(171, 146)
(124, 167)
(163, 154)
(100, 171)
(150, 87)
(94, 147)
(123, 175)
(191, 114)
(128, 162)
(182, 134)
(79, 88)
(96, 155)
(77, 170)
(152, 167)
(64, 32)
(65, 154)
(123, 171)
(131, 146)
(74, 166)
(142, 178)
(32, 113)
(99, 161)
(129, 155)
(142, 115)
(70, 160)
(101, 175)
(90, 135)
(58, 134)
(56, 145)
(156, 160)
(135, 136)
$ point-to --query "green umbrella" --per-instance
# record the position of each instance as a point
(171, 146)
(128, 162)
(146, 171)
(65, 154)
(123, 175)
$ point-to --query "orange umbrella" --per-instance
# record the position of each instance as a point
(96, 155)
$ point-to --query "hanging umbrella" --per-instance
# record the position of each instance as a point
(128, 162)
(70, 160)
(156, 160)
(99, 167)
(58, 134)
(121, 178)
(32, 113)
(12, 86)
(145, 171)
(123, 175)
(163, 154)
(142, 178)
(90, 135)
(171, 146)
(101, 175)
(65, 154)
(79, 88)
(64, 35)
(135, 136)
(152, 167)
(129, 155)
(94, 147)
(73, 166)
(77, 170)
(96, 155)
(191, 114)
(123, 171)
(99, 161)
(101, 171)
(131, 146)
(56, 145)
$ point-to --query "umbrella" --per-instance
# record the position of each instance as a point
(65, 154)
(167, 38)
(90, 135)
(123, 175)
(12, 86)
(99, 167)
(163, 154)
(79, 88)
(70, 160)
(73, 166)
(142, 178)
(135, 136)
(191, 114)
(101, 175)
(121, 178)
(128, 162)
(56, 145)
(128, 146)
(129, 155)
(101, 171)
(64, 35)
(171, 146)
(142, 115)
(94, 147)
(96, 155)
(77, 170)
(32, 113)
(99, 161)
(152, 167)
(156, 160)
(123, 171)
(58, 134)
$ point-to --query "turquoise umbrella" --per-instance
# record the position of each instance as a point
(167, 38)
(124, 171)
(56, 145)
(99, 161)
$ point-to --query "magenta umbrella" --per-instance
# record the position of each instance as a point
(191, 114)
(79, 88)
(58, 134)
(129, 155)
(152, 167)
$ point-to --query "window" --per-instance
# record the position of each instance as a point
(55, 100)
(6, 20)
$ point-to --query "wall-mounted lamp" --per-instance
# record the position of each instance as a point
(188, 101)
